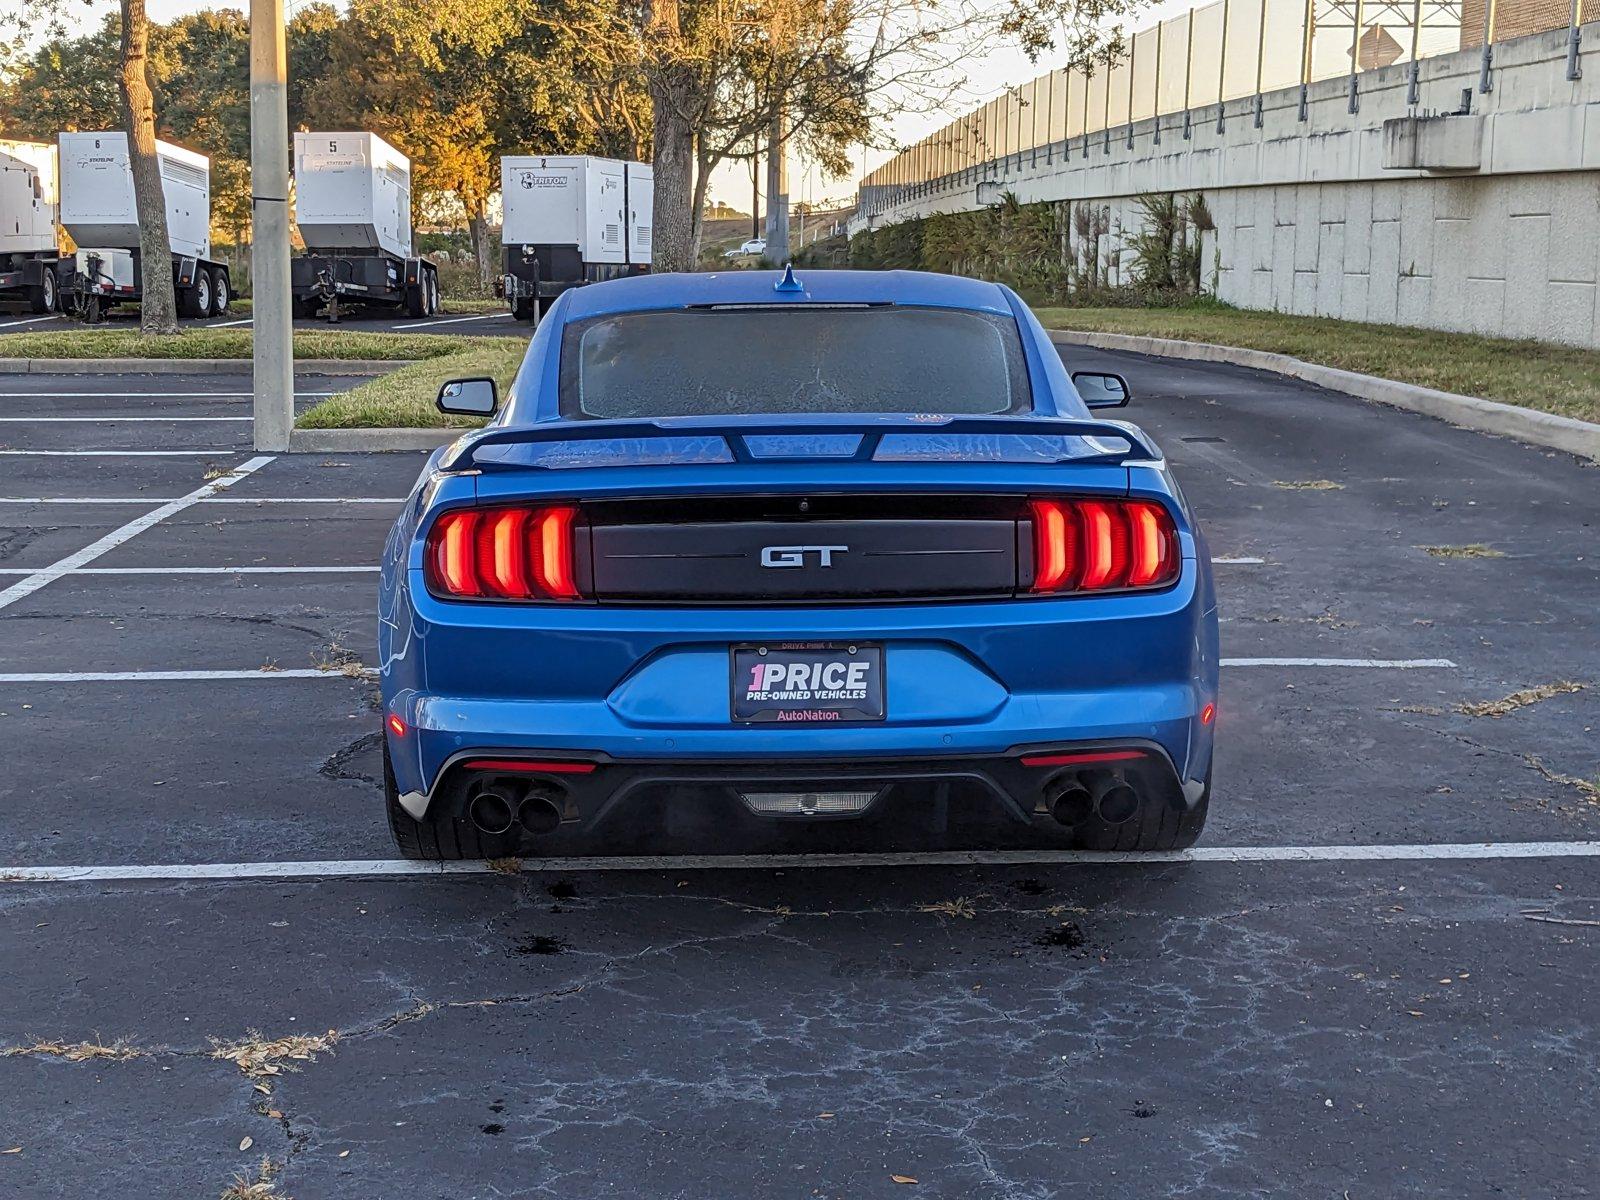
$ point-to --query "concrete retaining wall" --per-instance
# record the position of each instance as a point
(1314, 216)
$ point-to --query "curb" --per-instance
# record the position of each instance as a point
(367, 441)
(1468, 412)
(191, 366)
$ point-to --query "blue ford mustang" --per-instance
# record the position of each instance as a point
(804, 548)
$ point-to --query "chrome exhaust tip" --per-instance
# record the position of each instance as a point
(490, 812)
(1115, 802)
(1070, 804)
(539, 814)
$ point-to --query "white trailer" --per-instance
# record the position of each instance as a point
(353, 209)
(28, 246)
(99, 212)
(570, 220)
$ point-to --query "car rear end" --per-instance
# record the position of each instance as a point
(798, 619)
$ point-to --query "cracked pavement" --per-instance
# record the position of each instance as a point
(1357, 1029)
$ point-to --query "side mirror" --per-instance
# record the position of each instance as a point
(1101, 390)
(469, 397)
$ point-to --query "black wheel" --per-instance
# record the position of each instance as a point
(44, 298)
(195, 300)
(525, 310)
(303, 307)
(437, 837)
(220, 297)
(1155, 826)
(416, 299)
(430, 280)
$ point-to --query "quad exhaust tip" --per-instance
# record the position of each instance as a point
(1110, 799)
(1071, 804)
(539, 813)
(491, 812)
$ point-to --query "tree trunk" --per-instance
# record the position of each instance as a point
(702, 179)
(158, 310)
(672, 239)
(482, 250)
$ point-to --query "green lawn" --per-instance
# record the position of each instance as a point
(1554, 379)
(405, 397)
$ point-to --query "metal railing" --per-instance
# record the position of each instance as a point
(1191, 67)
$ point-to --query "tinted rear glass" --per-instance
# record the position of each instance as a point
(727, 362)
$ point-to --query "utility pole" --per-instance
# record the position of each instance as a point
(269, 239)
(755, 195)
(777, 194)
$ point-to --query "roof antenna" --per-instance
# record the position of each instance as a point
(788, 283)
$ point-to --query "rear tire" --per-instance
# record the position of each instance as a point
(45, 298)
(525, 310)
(195, 300)
(220, 296)
(437, 837)
(304, 307)
(1155, 826)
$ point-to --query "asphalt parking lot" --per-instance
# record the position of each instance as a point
(15, 319)
(1375, 978)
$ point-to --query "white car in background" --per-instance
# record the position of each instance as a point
(752, 246)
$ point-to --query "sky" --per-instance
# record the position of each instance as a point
(986, 77)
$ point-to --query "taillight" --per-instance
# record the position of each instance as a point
(509, 552)
(1084, 545)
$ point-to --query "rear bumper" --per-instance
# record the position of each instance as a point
(645, 692)
(591, 789)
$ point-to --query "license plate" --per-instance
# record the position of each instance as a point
(807, 683)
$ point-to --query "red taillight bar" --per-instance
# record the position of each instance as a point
(508, 552)
(528, 766)
(1093, 545)
(1078, 758)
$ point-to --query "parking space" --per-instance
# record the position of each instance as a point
(1373, 979)
(499, 323)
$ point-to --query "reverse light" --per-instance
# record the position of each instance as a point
(508, 552)
(1084, 545)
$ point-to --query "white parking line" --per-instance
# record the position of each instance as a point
(26, 587)
(229, 570)
(1390, 664)
(231, 324)
(1224, 855)
(107, 420)
(121, 453)
(453, 320)
(153, 393)
(207, 500)
(29, 321)
(179, 676)
(1236, 560)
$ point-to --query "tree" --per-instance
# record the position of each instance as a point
(158, 306)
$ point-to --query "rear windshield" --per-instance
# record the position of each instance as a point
(789, 359)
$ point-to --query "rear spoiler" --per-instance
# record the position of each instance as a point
(735, 433)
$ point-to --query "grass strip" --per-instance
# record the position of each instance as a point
(1539, 375)
(404, 398)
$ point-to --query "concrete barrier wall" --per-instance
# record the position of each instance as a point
(1328, 215)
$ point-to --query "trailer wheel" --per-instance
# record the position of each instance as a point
(195, 300)
(431, 280)
(524, 310)
(219, 293)
(303, 307)
(44, 298)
